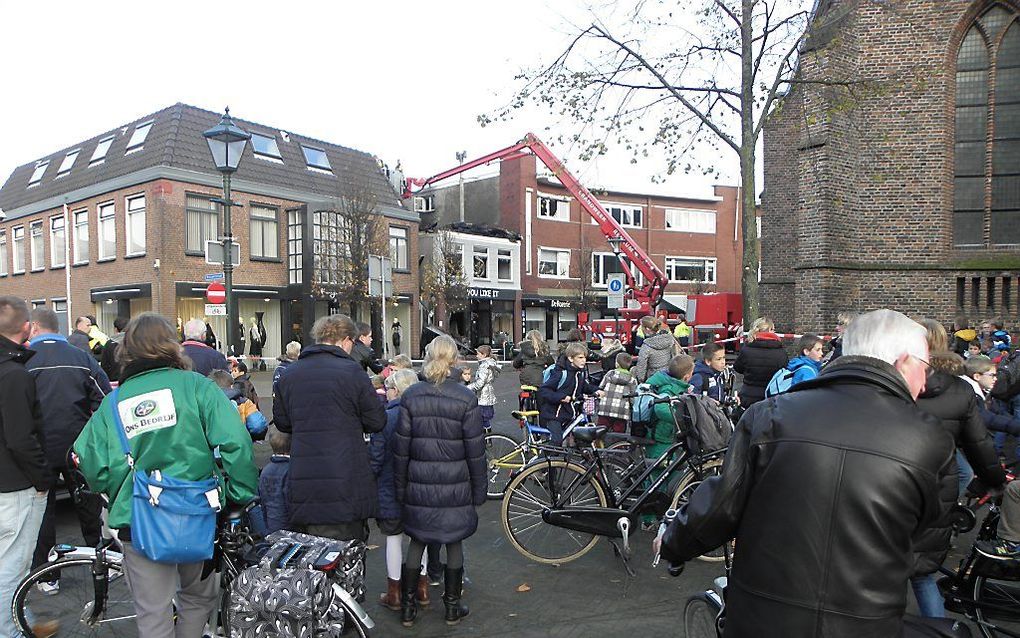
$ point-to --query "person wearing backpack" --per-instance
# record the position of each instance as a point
(800, 368)
(171, 419)
(673, 381)
(564, 384)
(758, 361)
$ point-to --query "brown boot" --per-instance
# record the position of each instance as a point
(423, 590)
(391, 599)
(46, 629)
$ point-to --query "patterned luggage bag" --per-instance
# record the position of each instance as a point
(288, 595)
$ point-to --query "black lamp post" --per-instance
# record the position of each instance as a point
(226, 143)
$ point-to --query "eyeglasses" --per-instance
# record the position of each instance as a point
(927, 364)
(990, 373)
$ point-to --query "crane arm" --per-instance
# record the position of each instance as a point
(623, 245)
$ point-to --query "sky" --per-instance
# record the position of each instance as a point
(403, 80)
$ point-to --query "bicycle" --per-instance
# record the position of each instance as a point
(568, 501)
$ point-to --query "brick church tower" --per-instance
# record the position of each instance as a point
(895, 182)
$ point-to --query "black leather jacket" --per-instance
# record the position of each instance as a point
(823, 488)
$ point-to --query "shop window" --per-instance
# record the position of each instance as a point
(264, 232)
(18, 241)
(201, 223)
(107, 232)
(690, 270)
(691, 220)
(135, 225)
(81, 237)
(504, 265)
(38, 248)
(57, 239)
(481, 262)
(553, 262)
(605, 264)
(398, 247)
(553, 208)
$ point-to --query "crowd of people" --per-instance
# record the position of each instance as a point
(879, 435)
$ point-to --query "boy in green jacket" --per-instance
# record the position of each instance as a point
(673, 381)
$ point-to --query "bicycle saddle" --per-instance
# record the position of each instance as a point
(522, 415)
(616, 437)
(589, 434)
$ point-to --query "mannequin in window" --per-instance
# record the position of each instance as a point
(256, 341)
(396, 335)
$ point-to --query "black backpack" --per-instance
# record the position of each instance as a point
(706, 426)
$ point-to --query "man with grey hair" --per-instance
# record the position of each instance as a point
(25, 478)
(203, 358)
(823, 488)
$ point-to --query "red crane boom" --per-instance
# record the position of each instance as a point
(646, 297)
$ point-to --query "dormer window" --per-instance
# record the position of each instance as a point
(265, 147)
(316, 159)
(65, 166)
(101, 149)
(37, 174)
(137, 140)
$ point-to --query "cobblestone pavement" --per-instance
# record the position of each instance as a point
(590, 597)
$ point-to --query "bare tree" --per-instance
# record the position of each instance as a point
(587, 296)
(444, 287)
(646, 76)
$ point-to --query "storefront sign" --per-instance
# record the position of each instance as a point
(490, 293)
(556, 303)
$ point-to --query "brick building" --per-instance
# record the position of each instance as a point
(563, 256)
(140, 209)
(909, 198)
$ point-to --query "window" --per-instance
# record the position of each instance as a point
(424, 204)
(201, 223)
(101, 149)
(107, 232)
(68, 163)
(316, 158)
(19, 249)
(553, 208)
(504, 264)
(265, 234)
(481, 262)
(605, 264)
(988, 170)
(135, 225)
(37, 174)
(690, 270)
(265, 147)
(58, 236)
(38, 249)
(60, 307)
(398, 247)
(3, 253)
(137, 140)
(81, 237)
(553, 262)
(295, 252)
(625, 215)
(690, 220)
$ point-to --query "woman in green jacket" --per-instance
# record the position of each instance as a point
(673, 381)
(174, 419)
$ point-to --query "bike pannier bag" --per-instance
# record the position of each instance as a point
(172, 520)
(642, 411)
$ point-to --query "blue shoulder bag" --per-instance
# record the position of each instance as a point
(172, 520)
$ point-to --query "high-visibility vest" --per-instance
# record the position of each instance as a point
(682, 330)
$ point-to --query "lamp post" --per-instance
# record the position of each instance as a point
(226, 143)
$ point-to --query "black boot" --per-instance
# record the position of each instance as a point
(451, 597)
(408, 595)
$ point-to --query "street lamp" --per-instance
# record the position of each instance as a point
(226, 143)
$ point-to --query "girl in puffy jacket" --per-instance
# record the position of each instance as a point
(439, 475)
(488, 370)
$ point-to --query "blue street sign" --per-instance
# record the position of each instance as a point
(615, 285)
(214, 276)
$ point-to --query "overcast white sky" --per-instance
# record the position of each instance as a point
(400, 79)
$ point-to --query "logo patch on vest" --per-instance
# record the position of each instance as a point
(148, 412)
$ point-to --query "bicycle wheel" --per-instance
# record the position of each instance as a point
(685, 486)
(700, 615)
(503, 457)
(995, 600)
(73, 604)
(542, 485)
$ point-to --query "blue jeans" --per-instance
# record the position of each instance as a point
(929, 599)
(965, 473)
(21, 515)
(487, 412)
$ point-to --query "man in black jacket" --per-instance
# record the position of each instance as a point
(327, 405)
(70, 386)
(823, 488)
(25, 477)
(79, 337)
(362, 351)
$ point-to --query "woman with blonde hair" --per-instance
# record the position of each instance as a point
(439, 475)
(759, 359)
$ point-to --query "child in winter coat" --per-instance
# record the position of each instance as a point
(253, 420)
(567, 383)
(1000, 338)
(706, 379)
(614, 408)
(804, 367)
(239, 372)
(274, 486)
(488, 370)
(981, 374)
(673, 381)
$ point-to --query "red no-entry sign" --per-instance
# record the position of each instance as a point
(216, 293)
